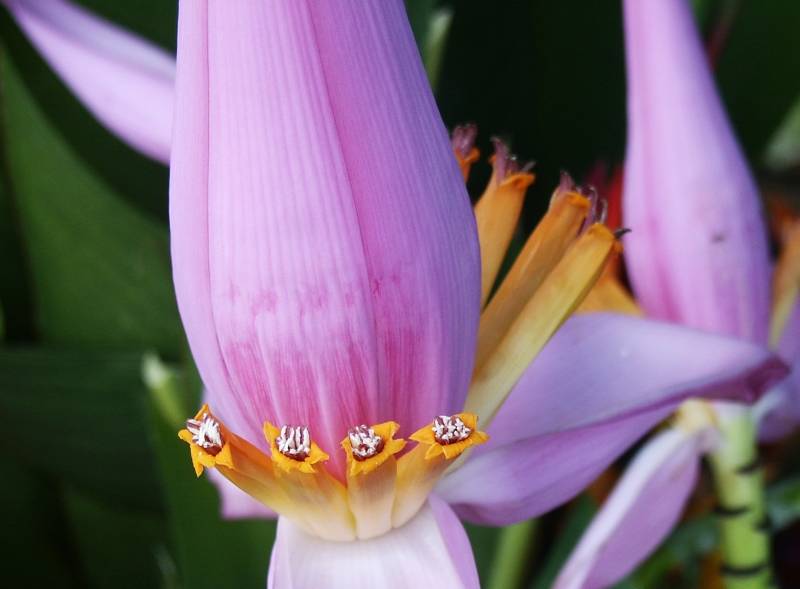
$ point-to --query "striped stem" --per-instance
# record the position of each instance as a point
(738, 479)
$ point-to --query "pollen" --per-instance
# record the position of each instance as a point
(294, 442)
(450, 429)
(206, 433)
(365, 443)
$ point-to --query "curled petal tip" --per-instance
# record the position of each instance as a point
(463, 139)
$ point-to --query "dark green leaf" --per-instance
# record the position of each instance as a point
(35, 542)
(758, 69)
(16, 312)
(783, 503)
(119, 549)
(79, 416)
(99, 266)
(484, 546)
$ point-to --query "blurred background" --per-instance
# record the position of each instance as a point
(97, 491)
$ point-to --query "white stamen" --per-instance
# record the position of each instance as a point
(364, 442)
(449, 429)
(294, 442)
(206, 434)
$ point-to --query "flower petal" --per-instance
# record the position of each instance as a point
(127, 82)
(235, 503)
(343, 265)
(416, 221)
(599, 385)
(697, 253)
(778, 413)
(188, 219)
(432, 549)
(642, 509)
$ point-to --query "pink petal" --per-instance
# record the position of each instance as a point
(124, 80)
(598, 386)
(188, 217)
(697, 253)
(432, 550)
(235, 503)
(641, 511)
(779, 411)
(333, 237)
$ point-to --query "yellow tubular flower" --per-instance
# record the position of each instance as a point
(439, 444)
(609, 294)
(557, 230)
(371, 476)
(318, 496)
(497, 213)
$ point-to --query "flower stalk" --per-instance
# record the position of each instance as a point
(743, 523)
(516, 544)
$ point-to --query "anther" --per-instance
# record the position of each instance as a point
(364, 442)
(450, 429)
(463, 138)
(294, 442)
(205, 433)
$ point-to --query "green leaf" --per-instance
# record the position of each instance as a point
(120, 549)
(78, 416)
(783, 150)
(35, 542)
(99, 264)
(783, 503)
(758, 68)
(16, 312)
(484, 547)
(431, 24)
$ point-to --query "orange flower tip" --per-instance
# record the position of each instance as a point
(463, 141)
(566, 185)
(450, 435)
(204, 431)
(579, 195)
(364, 442)
(293, 449)
(507, 166)
(368, 447)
